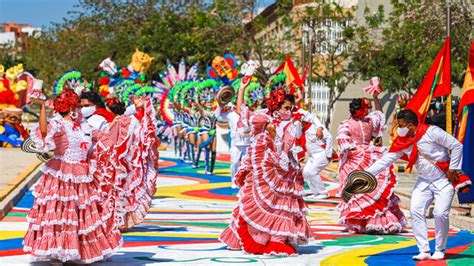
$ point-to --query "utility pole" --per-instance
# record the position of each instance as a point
(449, 100)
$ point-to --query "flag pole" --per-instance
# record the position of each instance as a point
(449, 102)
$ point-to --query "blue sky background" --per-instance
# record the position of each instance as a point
(40, 13)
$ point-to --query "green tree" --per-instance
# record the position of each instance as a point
(401, 48)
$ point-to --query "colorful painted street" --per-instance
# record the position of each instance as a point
(190, 209)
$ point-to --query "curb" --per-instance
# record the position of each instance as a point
(19, 178)
(14, 192)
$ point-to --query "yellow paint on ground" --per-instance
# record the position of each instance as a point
(357, 256)
(224, 172)
(177, 191)
(11, 234)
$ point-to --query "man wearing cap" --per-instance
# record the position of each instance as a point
(425, 146)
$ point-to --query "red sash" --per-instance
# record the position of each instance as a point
(109, 116)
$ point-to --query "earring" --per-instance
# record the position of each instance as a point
(74, 115)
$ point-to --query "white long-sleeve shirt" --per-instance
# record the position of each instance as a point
(435, 145)
(97, 122)
(232, 118)
(313, 143)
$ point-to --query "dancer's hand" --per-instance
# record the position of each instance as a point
(452, 176)
(319, 133)
(271, 130)
(38, 101)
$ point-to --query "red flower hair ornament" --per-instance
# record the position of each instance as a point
(110, 101)
(66, 101)
(276, 98)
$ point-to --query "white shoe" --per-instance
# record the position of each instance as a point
(422, 256)
(322, 196)
(438, 255)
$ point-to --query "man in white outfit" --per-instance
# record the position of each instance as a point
(238, 142)
(319, 146)
(432, 145)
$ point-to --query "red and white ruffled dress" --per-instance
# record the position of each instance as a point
(270, 217)
(68, 220)
(125, 160)
(376, 212)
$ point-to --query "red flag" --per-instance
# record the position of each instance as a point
(292, 76)
(436, 83)
(467, 95)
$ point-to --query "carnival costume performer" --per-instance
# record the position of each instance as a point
(437, 157)
(376, 212)
(270, 218)
(207, 131)
(69, 220)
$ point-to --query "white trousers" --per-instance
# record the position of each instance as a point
(236, 154)
(315, 164)
(420, 201)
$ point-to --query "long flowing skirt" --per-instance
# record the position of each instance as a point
(376, 212)
(270, 218)
(69, 220)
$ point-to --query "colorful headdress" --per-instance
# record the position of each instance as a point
(175, 85)
(206, 90)
(70, 80)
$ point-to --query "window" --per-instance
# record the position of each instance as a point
(320, 99)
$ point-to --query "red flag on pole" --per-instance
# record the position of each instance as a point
(436, 83)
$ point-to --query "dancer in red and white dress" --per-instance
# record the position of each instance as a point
(270, 218)
(376, 212)
(126, 159)
(69, 220)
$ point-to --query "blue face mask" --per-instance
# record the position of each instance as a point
(438, 106)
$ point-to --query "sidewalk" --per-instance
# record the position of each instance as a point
(460, 216)
(17, 169)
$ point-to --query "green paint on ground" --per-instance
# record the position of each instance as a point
(17, 214)
(370, 240)
(464, 258)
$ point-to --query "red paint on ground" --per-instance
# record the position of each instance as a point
(223, 157)
(204, 193)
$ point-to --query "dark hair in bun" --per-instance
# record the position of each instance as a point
(117, 108)
(355, 105)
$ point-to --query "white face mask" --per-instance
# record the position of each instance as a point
(402, 131)
(87, 111)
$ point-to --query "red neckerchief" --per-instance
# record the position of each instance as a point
(140, 113)
(109, 116)
(402, 143)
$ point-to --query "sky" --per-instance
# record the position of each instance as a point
(36, 12)
(40, 13)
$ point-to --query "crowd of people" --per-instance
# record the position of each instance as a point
(101, 172)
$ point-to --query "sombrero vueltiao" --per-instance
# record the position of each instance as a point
(358, 182)
(29, 146)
